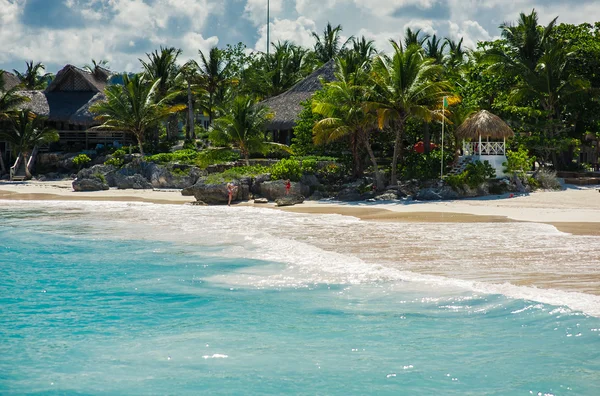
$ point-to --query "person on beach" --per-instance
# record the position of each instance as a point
(288, 186)
(231, 189)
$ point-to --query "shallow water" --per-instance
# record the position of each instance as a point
(101, 298)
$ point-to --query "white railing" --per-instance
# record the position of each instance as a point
(15, 167)
(486, 148)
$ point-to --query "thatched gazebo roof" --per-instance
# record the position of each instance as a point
(287, 106)
(484, 124)
(10, 80)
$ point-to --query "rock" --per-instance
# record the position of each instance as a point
(349, 194)
(273, 190)
(90, 184)
(387, 196)
(137, 182)
(212, 194)
(436, 193)
(198, 203)
(316, 196)
(96, 170)
(289, 200)
(310, 181)
(258, 181)
(172, 175)
(261, 201)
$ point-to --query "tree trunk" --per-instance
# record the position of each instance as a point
(190, 124)
(378, 181)
(247, 158)
(355, 156)
(27, 172)
(3, 167)
(172, 127)
(397, 152)
(140, 145)
(426, 139)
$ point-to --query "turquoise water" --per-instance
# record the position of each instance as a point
(90, 305)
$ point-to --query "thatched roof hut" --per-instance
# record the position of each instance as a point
(69, 97)
(287, 106)
(484, 124)
(10, 80)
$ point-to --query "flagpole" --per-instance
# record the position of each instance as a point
(443, 125)
(268, 25)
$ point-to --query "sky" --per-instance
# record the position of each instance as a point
(60, 32)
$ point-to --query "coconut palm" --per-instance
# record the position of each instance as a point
(434, 48)
(455, 57)
(346, 116)
(162, 66)
(189, 74)
(96, 66)
(213, 79)
(134, 107)
(243, 127)
(26, 131)
(406, 84)
(414, 38)
(329, 45)
(33, 78)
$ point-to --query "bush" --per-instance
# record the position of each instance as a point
(215, 156)
(236, 173)
(474, 175)
(81, 160)
(118, 162)
(189, 145)
(547, 179)
(518, 162)
(309, 166)
(180, 156)
(425, 167)
(287, 169)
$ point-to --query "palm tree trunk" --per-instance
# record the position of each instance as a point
(140, 145)
(190, 126)
(397, 152)
(247, 158)
(27, 172)
(355, 156)
(378, 181)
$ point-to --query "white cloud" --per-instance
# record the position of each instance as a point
(298, 31)
(256, 10)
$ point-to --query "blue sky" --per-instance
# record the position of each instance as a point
(57, 32)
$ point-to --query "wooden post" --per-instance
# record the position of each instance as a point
(479, 147)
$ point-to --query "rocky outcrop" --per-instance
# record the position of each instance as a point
(213, 194)
(90, 184)
(261, 201)
(436, 193)
(136, 182)
(172, 176)
(289, 200)
(273, 190)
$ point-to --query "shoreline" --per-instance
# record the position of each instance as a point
(575, 211)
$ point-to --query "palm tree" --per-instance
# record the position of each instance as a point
(32, 78)
(96, 67)
(346, 116)
(455, 56)
(134, 107)
(328, 46)
(189, 72)
(10, 99)
(162, 66)
(434, 49)
(243, 127)
(414, 38)
(406, 84)
(213, 76)
(25, 132)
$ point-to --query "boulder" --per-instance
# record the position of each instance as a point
(289, 200)
(436, 194)
(261, 201)
(316, 196)
(90, 184)
(273, 190)
(258, 181)
(172, 176)
(212, 194)
(390, 195)
(310, 181)
(349, 194)
(137, 182)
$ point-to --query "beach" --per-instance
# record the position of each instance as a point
(575, 210)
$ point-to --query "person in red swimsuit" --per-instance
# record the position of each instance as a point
(288, 186)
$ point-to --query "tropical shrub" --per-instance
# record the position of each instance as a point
(309, 165)
(180, 156)
(81, 160)
(216, 156)
(236, 173)
(474, 175)
(547, 179)
(287, 169)
(425, 167)
(518, 162)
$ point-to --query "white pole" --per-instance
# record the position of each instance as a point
(268, 25)
(443, 125)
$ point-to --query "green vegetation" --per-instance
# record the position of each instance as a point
(287, 169)
(81, 160)
(518, 162)
(474, 175)
(236, 174)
